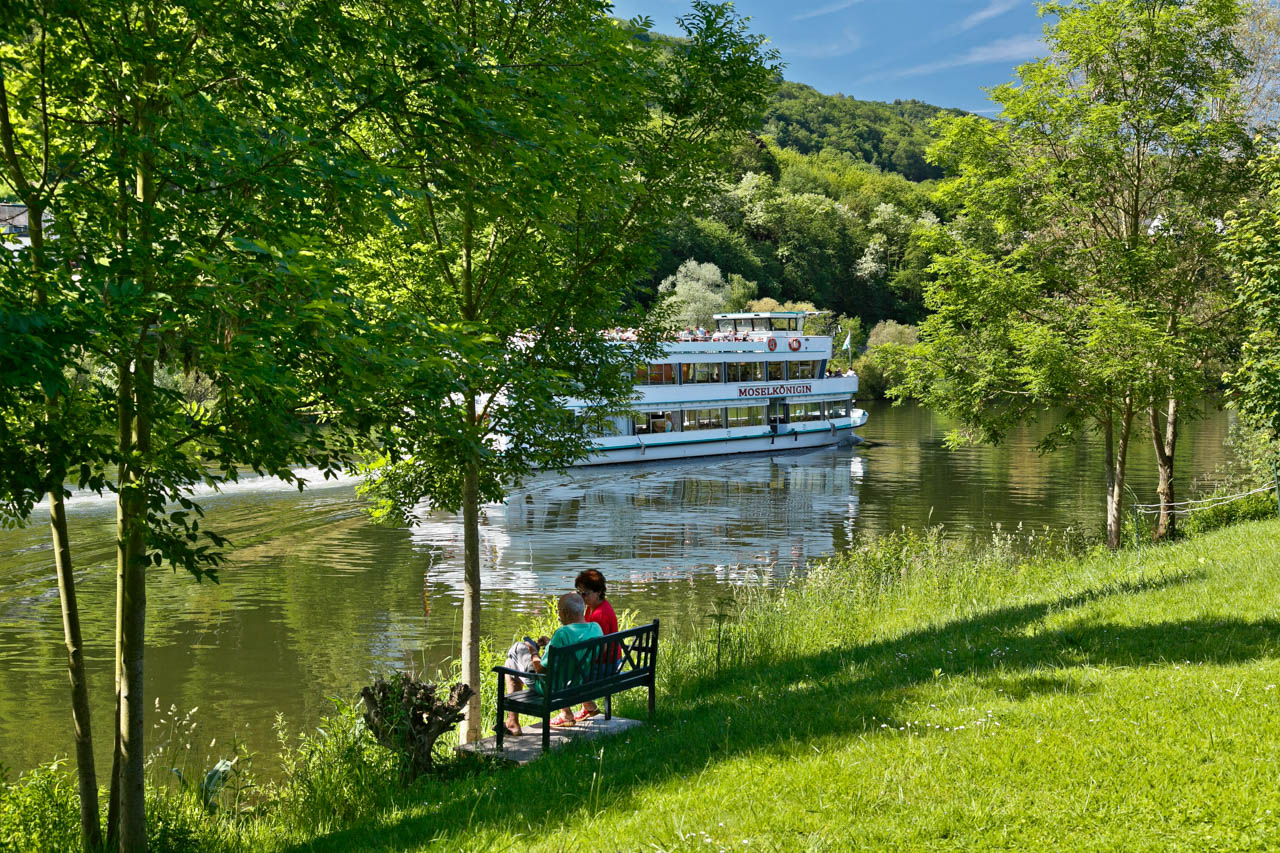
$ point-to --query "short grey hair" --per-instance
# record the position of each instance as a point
(573, 605)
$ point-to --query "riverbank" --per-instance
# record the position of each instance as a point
(904, 696)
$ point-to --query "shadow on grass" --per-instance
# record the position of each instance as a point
(833, 693)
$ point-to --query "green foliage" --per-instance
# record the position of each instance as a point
(697, 291)
(1084, 270)
(892, 137)
(39, 812)
(880, 367)
(530, 216)
(826, 230)
(1259, 507)
(1252, 244)
(333, 776)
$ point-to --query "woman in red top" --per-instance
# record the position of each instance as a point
(590, 585)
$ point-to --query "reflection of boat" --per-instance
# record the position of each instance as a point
(755, 384)
(741, 517)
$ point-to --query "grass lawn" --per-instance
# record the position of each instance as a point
(911, 697)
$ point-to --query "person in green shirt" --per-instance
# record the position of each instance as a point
(574, 628)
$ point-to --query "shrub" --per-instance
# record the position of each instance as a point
(1253, 508)
(40, 811)
(876, 372)
(335, 776)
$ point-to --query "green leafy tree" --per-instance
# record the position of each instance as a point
(188, 157)
(52, 411)
(696, 292)
(1088, 277)
(1252, 246)
(523, 206)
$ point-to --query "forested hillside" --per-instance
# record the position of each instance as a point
(830, 203)
(891, 136)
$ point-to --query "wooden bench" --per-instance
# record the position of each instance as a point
(580, 672)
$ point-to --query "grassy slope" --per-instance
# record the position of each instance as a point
(1105, 703)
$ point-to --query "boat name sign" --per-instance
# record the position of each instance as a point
(774, 390)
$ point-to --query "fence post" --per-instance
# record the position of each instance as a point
(1136, 515)
(1275, 470)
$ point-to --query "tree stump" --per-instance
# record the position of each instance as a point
(407, 717)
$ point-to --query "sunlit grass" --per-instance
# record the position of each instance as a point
(912, 696)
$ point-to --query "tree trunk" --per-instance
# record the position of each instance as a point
(1116, 456)
(133, 617)
(90, 828)
(87, 777)
(1165, 442)
(473, 726)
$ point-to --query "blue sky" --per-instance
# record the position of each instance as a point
(940, 51)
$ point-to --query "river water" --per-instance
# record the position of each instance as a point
(316, 600)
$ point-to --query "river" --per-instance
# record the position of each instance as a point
(315, 599)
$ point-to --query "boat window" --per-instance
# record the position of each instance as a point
(760, 324)
(703, 419)
(652, 423)
(776, 371)
(744, 371)
(777, 412)
(741, 416)
(595, 425)
(802, 370)
(724, 325)
(780, 324)
(656, 374)
(801, 412)
(838, 409)
(700, 372)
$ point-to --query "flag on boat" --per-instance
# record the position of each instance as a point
(848, 339)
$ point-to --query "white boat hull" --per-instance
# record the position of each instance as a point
(719, 442)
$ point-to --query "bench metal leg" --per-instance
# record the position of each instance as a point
(608, 706)
(652, 687)
(546, 734)
(501, 728)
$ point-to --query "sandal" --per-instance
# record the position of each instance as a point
(563, 721)
(585, 713)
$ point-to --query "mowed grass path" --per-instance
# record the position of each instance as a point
(1104, 702)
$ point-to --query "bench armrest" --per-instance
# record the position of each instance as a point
(518, 673)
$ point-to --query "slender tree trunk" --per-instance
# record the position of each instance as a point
(90, 828)
(1116, 457)
(472, 725)
(133, 618)
(124, 439)
(1108, 464)
(87, 777)
(1165, 441)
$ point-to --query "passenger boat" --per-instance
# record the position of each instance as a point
(757, 383)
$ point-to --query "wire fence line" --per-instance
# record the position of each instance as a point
(1184, 508)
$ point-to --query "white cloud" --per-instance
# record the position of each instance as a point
(1012, 49)
(850, 42)
(986, 13)
(831, 8)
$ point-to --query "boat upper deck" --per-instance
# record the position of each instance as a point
(775, 334)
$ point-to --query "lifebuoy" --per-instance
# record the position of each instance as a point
(794, 343)
(773, 344)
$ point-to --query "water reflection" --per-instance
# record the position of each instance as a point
(316, 599)
(659, 522)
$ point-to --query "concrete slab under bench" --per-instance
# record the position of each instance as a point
(527, 747)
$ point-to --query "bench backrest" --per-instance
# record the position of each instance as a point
(633, 652)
